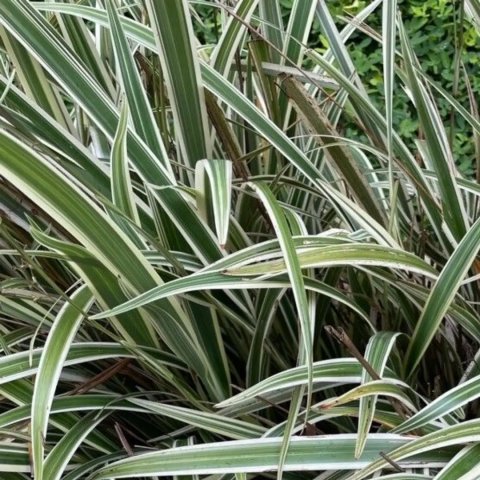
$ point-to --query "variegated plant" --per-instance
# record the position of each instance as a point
(202, 275)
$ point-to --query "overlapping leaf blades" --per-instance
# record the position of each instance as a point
(221, 245)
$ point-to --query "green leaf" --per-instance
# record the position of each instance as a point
(338, 155)
(35, 83)
(14, 458)
(216, 193)
(376, 354)
(232, 35)
(352, 254)
(294, 41)
(217, 281)
(174, 41)
(450, 436)
(122, 194)
(389, 9)
(389, 388)
(75, 403)
(305, 355)
(51, 363)
(463, 466)
(142, 116)
(439, 150)
(37, 35)
(61, 454)
(343, 370)
(449, 401)
(442, 296)
(212, 422)
(250, 456)
(25, 364)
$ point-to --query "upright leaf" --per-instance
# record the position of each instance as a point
(215, 194)
(440, 154)
(53, 356)
(376, 354)
(141, 112)
(122, 194)
(174, 39)
(442, 296)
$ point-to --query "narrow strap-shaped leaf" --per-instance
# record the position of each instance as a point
(270, 249)
(405, 160)
(266, 310)
(293, 411)
(215, 194)
(79, 36)
(326, 452)
(463, 466)
(349, 254)
(14, 458)
(217, 85)
(76, 403)
(133, 329)
(84, 220)
(122, 194)
(232, 35)
(217, 281)
(389, 10)
(81, 472)
(338, 49)
(298, 28)
(35, 82)
(46, 128)
(376, 354)
(140, 110)
(457, 106)
(36, 34)
(442, 296)
(406, 476)
(472, 8)
(359, 216)
(388, 388)
(229, 427)
(436, 139)
(174, 38)
(297, 31)
(260, 54)
(385, 418)
(339, 155)
(53, 357)
(206, 358)
(226, 92)
(462, 314)
(447, 402)
(25, 364)
(64, 201)
(271, 15)
(449, 436)
(339, 53)
(345, 370)
(63, 451)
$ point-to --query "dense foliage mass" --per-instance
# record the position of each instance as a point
(239, 239)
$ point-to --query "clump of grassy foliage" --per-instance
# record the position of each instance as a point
(201, 275)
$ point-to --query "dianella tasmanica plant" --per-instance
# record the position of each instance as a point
(205, 273)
